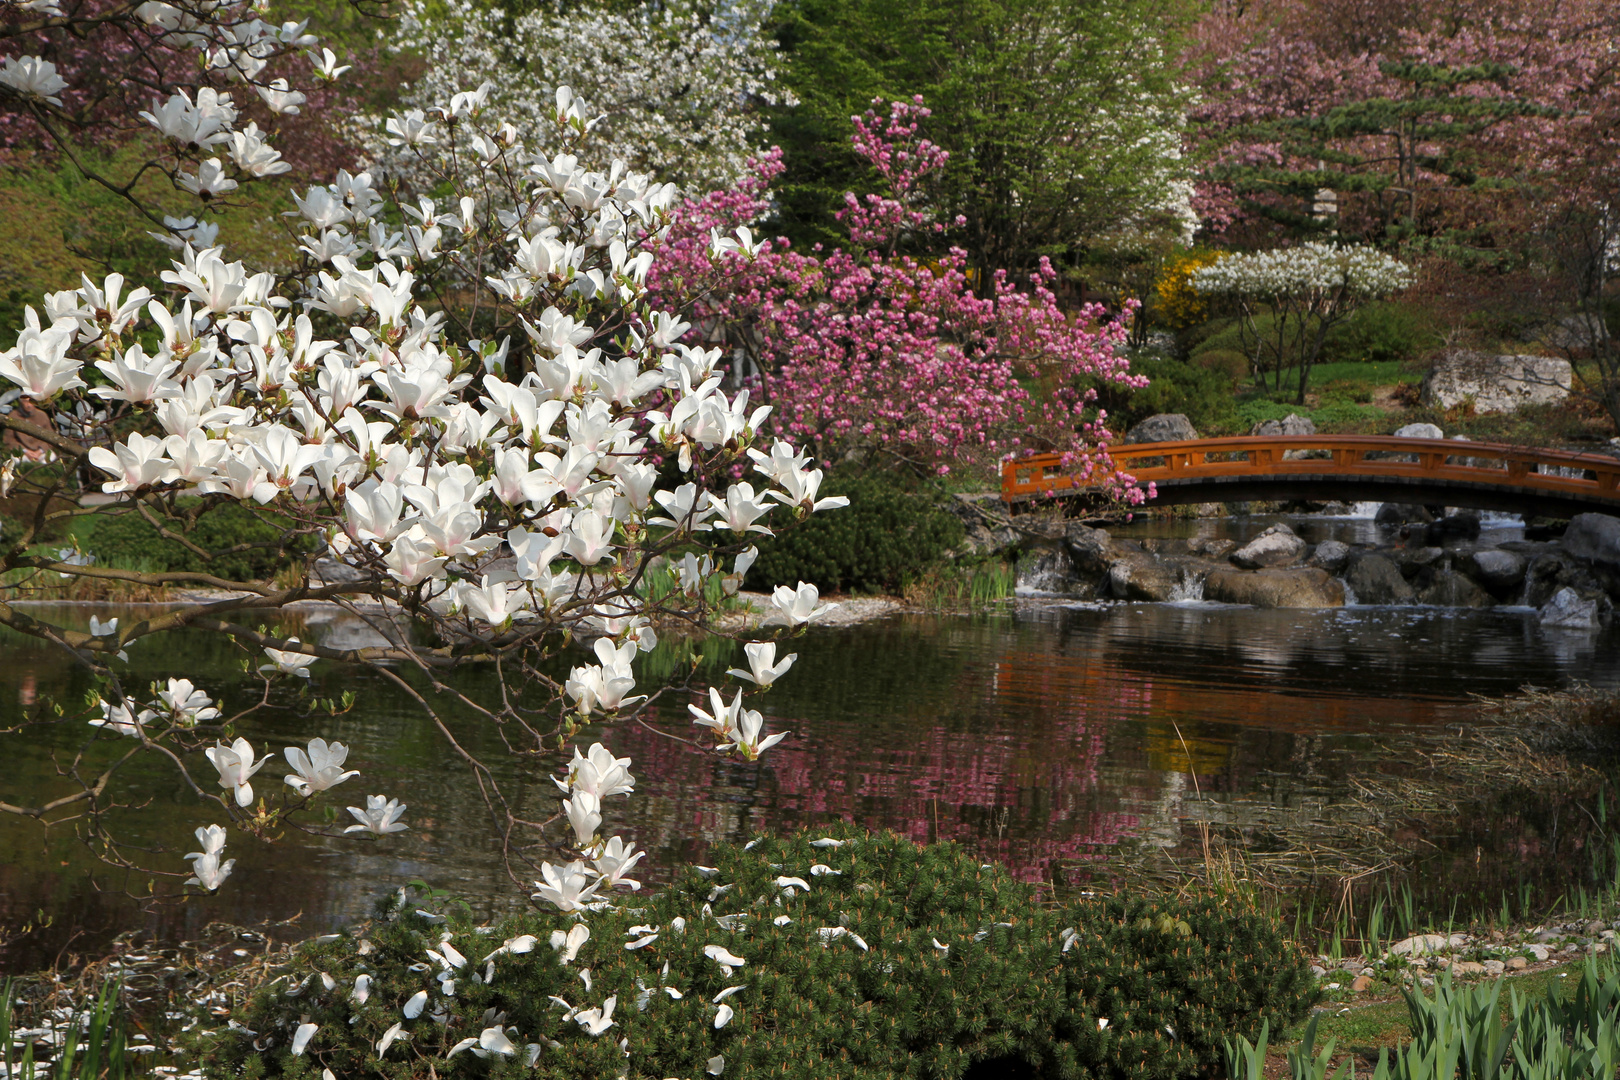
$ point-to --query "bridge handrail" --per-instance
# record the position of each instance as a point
(1437, 459)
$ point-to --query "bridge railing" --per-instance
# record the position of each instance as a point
(1372, 456)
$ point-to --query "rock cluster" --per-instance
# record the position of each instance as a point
(1572, 582)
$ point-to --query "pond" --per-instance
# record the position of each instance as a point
(1046, 735)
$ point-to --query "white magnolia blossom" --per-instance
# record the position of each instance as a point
(763, 669)
(236, 765)
(182, 703)
(119, 718)
(207, 870)
(32, 77)
(526, 505)
(320, 769)
(380, 817)
(599, 773)
(669, 87)
(287, 662)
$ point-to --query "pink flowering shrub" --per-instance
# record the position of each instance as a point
(872, 350)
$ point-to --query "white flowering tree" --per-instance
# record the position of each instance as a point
(675, 87)
(478, 502)
(1289, 298)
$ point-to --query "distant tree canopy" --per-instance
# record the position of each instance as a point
(1063, 120)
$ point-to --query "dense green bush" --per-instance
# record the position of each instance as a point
(885, 535)
(1331, 414)
(129, 540)
(1384, 331)
(884, 959)
(1235, 365)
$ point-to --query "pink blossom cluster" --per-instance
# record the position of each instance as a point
(866, 350)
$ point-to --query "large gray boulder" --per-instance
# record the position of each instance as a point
(1277, 546)
(1297, 587)
(1090, 550)
(1142, 577)
(1292, 424)
(1595, 537)
(1419, 431)
(1402, 514)
(1568, 611)
(1553, 570)
(1330, 555)
(986, 526)
(1496, 384)
(1375, 580)
(1210, 547)
(1451, 589)
(1498, 570)
(1165, 427)
(1463, 525)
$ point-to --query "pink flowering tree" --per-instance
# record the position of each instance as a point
(1395, 121)
(877, 352)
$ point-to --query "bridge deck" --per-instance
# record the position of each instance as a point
(1381, 468)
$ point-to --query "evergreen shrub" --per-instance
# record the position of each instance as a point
(899, 960)
(130, 540)
(1384, 331)
(885, 536)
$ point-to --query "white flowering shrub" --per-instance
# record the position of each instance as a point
(673, 87)
(1289, 298)
(476, 501)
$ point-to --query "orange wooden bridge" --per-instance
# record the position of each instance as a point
(1347, 468)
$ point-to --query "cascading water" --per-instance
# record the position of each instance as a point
(1048, 572)
(1189, 588)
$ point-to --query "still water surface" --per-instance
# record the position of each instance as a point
(1044, 735)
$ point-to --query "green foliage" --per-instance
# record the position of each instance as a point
(1247, 1061)
(1232, 363)
(1203, 394)
(1384, 331)
(1332, 413)
(1031, 170)
(1228, 335)
(963, 583)
(1461, 1033)
(254, 543)
(884, 959)
(93, 1047)
(55, 225)
(885, 535)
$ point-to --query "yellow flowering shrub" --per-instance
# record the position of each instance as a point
(1179, 304)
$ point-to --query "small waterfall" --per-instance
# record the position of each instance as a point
(1189, 588)
(1048, 572)
(1496, 519)
(1364, 509)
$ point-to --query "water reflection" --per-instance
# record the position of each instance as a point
(1042, 737)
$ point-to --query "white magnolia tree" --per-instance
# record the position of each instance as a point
(1289, 298)
(478, 501)
(676, 87)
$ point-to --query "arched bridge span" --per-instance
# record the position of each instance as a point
(1347, 468)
